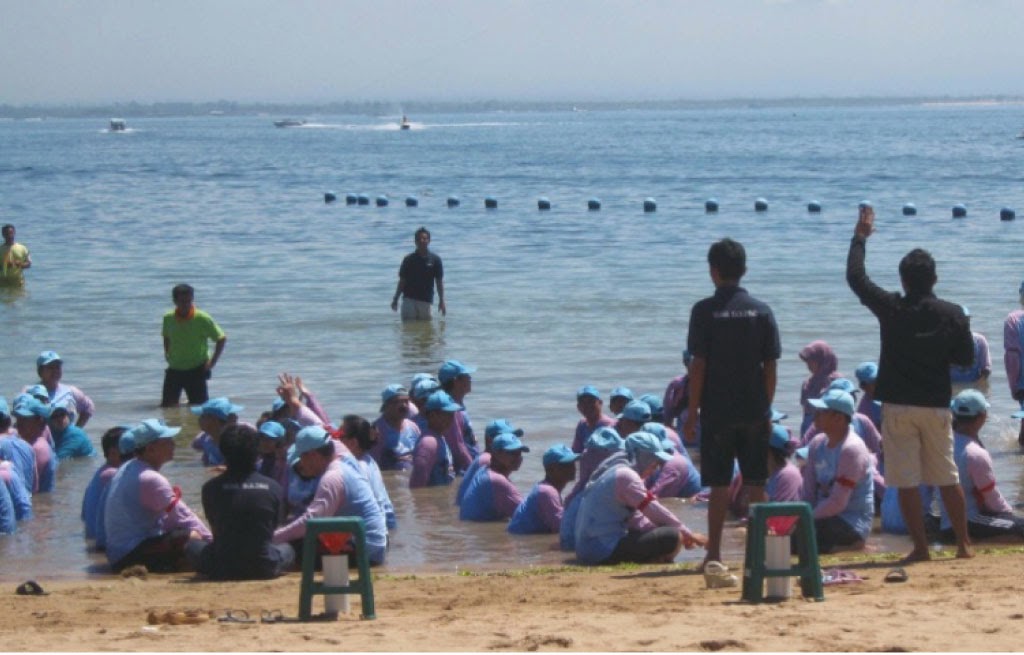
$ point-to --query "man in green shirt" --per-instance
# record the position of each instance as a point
(187, 332)
(13, 259)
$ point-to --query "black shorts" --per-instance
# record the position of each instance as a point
(647, 546)
(833, 532)
(163, 554)
(722, 445)
(192, 381)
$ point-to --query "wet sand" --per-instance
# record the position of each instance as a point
(946, 605)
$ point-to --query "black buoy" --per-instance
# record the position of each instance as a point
(650, 205)
(412, 201)
(959, 211)
(814, 207)
(363, 199)
(351, 199)
(453, 201)
(760, 205)
(382, 201)
(490, 203)
(711, 205)
(909, 209)
(330, 197)
(543, 204)
(594, 204)
(1007, 214)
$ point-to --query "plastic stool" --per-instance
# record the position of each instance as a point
(362, 586)
(754, 569)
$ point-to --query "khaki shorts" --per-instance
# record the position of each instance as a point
(918, 445)
(416, 310)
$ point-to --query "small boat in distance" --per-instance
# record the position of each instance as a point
(289, 122)
(118, 125)
(405, 124)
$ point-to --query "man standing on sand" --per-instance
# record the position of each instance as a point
(921, 337)
(735, 345)
(419, 272)
(13, 259)
(187, 332)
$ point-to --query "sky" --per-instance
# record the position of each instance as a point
(103, 51)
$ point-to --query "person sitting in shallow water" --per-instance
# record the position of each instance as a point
(69, 440)
(542, 510)
(483, 460)
(589, 405)
(432, 459)
(361, 438)
(398, 433)
(101, 479)
(678, 478)
(215, 415)
(785, 484)
(126, 451)
(491, 496)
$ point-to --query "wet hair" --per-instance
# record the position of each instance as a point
(917, 271)
(359, 429)
(420, 231)
(6, 227)
(110, 439)
(181, 289)
(240, 446)
(5, 422)
(729, 258)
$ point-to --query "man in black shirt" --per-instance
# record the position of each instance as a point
(735, 345)
(419, 272)
(243, 509)
(921, 337)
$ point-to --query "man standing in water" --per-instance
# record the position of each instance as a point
(921, 336)
(735, 345)
(13, 259)
(187, 332)
(417, 276)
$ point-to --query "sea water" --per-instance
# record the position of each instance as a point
(541, 302)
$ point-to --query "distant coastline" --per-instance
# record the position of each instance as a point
(388, 108)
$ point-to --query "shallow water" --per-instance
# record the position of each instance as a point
(541, 302)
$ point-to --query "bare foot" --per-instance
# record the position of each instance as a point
(917, 556)
(964, 552)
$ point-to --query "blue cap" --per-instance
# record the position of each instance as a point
(559, 454)
(646, 442)
(5, 409)
(621, 392)
(509, 443)
(844, 384)
(777, 415)
(452, 369)
(657, 429)
(38, 392)
(867, 372)
(66, 406)
(969, 403)
(417, 377)
(150, 430)
(605, 437)
(277, 405)
(219, 407)
(424, 387)
(126, 442)
(272, 429)
(47, 357)
(588, 390)
(636, 411)
(835, 399)
(441, 401)
(654, 402)
(500, 425)
(309, 438)
(393, 391)
(779, 438)
(27, 407)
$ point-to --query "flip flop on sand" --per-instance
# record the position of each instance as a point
(898, 574)
(839, 576)
(30, 588)
(236, 616)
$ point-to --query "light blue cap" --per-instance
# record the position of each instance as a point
(150, 430)
(66, 406)
(621, 392)
(559, 454)
(654, 402)
(5, 409)
(38, 392)
(441, 401)
(47, 357)
(779, 438)
(509, 443)
(308, 439)
(657, 429)
(646, 442)
(867, 372)
(393, 391)
(844, 384)
(28, 406)
(636, 411)
(500, 425)
(969, 403)
(126, 442)
(222, 408)
(452, 369)
(605, 437)
(272, 429)
(424, 387)
(277, 405)
(417, 377)
(777, 415)
(835, 399)
(588, 390)
(802, 452)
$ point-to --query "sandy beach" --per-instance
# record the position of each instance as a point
(945, 605)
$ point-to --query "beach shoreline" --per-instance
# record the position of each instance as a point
(945, 605)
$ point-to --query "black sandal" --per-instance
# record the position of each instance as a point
(30, 588)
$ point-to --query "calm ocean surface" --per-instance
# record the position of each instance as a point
(540, 302)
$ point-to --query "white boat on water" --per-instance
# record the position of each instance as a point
(290, 122)
(405, 124)
(118, 125)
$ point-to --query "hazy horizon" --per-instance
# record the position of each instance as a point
(103, 52)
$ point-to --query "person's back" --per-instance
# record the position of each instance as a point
(489, 497)
(18, 452)
(8, 522)
(243, 511)
(20, 495)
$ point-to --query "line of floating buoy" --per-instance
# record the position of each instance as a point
(650, 205)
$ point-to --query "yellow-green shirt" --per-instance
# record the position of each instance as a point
(189, 339)
(10, 272)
